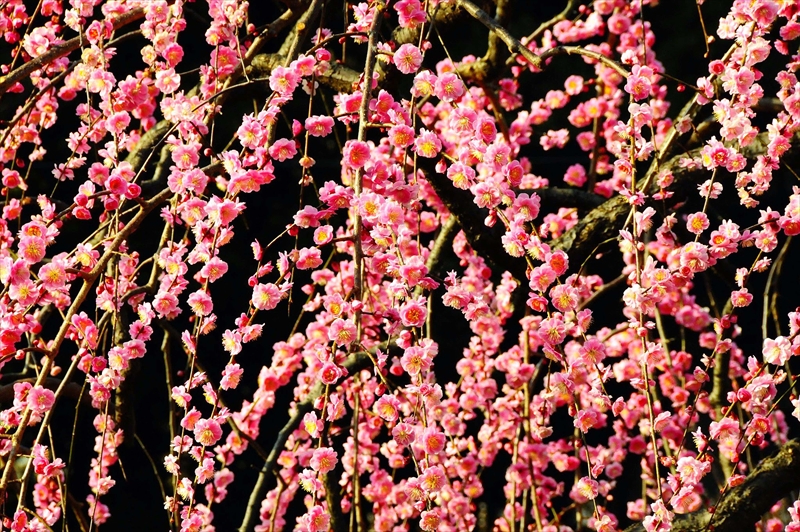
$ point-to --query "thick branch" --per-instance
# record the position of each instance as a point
(514, 46)
(486, 240)
(338, 77)
(61, 50)
(742, 507)
(441, 15)
(609, 218)
(488, 66)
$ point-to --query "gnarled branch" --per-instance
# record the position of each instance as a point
(742, 507)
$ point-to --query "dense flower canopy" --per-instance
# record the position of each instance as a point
(608, 306)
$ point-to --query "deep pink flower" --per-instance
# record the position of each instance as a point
(410, 13)
(330, 373)
(323, 460)
(40, 399)
(355, 154)
(207, 432)
(342, 332)
(401, 136)
(414, 312)
(639, 83)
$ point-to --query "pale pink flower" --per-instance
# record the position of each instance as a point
(319, 126)
(408, 58)
(387, 407)
(308, 258)
(449, 87)
(777, 351)
(427, 144)
(316, 519)
(283, 80)
(40, 399)
(231, 377)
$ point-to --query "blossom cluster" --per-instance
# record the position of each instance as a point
(562, 398)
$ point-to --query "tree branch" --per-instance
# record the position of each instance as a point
(353, 364)
(61, 50)
(486, 240)
(88, 283)
(742, 507)
(493, 61)
(512, 42)
(609, 218)
(338, 77)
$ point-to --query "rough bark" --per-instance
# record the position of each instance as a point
(742, 507)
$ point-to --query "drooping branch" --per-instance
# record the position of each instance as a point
(155, 136)
(516, 47)
(544, 26)
(72, 390)
(577, 50)
(352, 365)
(742, 507)
(88, 285)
